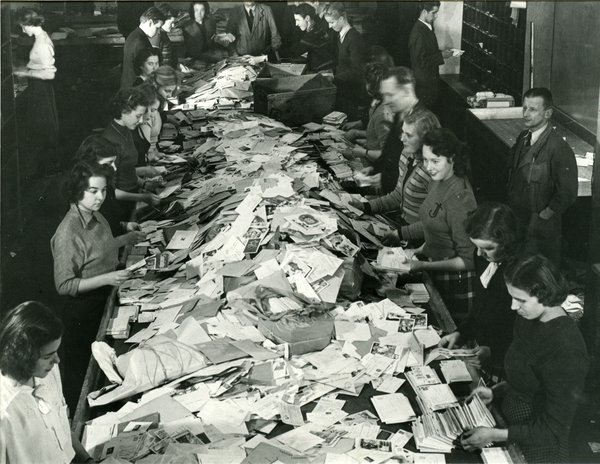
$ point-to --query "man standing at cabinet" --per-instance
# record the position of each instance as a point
(542, 180)
(425, 55)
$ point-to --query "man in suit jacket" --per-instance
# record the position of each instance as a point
(350, 62)
(425, 55)
(542, 180)
(253, 26)
(150, 24)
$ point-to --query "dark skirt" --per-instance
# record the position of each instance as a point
(41, 127)
(457, 289)
(81, 317)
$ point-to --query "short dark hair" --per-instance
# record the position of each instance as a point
(427, 6)
(23, 332)
(378, 54)
(95, 148)
(304, 10)
(78, 179)
(142, 56)
(496, 222)
(153, 14)
(402, 74)
(30, 18)
(127, 100)
(374, 73)
(443, 142)
(538, 276)
(206, 9)
(167, 10)
(542, 92)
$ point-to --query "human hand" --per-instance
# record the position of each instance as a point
(546, 214)
(447, 53)
(131, 226)
(254, 60)
(351, 125)
(357, 204)
(416, 266)
(153, 185)
(352, 135)
(482, 354)
(484, 393)
(348, 153)
(449, 341)
(367, 171)
(477, 438)
(135, 236)
(116, 278)
(152, 199)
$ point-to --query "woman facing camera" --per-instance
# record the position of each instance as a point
(447, 250)
(34, 427)
(145, 63)
(494, 230)
(546, 365)
(85, 260)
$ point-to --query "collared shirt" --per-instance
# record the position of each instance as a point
(82, 247)
(34, 427)
(250, 9)
(535, 135)
(427, 24)
(344, 31)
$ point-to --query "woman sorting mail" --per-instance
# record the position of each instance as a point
(85, 260)
(404, 202)
(497, 235)
(34, 427)
(447, 253)
(546, 366)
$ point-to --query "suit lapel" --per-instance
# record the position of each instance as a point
(534, 150)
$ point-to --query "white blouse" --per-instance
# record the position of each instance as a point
(41, 58)
(34, 427)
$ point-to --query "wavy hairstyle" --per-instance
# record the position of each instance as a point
(539, 277)
(78, 179)
(95, 148)
(206, 10)
(496, 222)
(444, 143)
(127, 100)
(23, 332)
(30, 18)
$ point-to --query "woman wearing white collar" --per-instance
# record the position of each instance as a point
(34, 427)
(497, 236)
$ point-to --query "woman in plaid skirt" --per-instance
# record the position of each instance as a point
(447, 251)
(546, 366)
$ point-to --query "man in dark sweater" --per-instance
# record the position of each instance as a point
(542, 171)
(150, 24)
(425, 55)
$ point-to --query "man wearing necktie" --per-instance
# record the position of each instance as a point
(253, 26)
(542, 171)
(425, 55)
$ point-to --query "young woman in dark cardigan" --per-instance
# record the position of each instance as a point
(546, 365)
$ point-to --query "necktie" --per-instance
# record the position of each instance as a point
(250, 18)
(527, 142)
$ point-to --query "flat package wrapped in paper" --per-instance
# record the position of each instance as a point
(151, 364)
(304, 333)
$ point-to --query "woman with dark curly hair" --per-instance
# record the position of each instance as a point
(42, 115)
(447, 250)
(546, 365)
(145, 63)
(85, 258)
(380, 119)
(497, 235)
(128, 108)
(34, 425)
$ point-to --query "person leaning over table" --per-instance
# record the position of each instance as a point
(128, 108)
(34, 425)
(413, 180)
(85, 256)
(145, 136)
(199, 35)
(350, 62)
(398, 92)
(314, 40)
(253, 27)
(150, 23)
(447, 250)
(161, 40)
(42, 116)
(166, 82)
(496, 233)
(546, 365)
(380, 119)
(146, 62)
